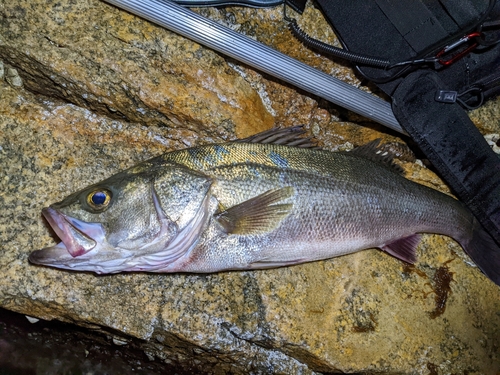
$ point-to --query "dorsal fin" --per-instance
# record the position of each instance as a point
(373, 152)
(293, 136)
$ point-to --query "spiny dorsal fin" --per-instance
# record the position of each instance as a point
(260, 214)
(373, 152)
(292, 136)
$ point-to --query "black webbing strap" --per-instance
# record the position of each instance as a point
(414, 21)
(454, 146)
(462, 12)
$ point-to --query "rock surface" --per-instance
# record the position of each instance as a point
(89, 90)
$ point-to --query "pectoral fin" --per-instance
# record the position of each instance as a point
(260, 214)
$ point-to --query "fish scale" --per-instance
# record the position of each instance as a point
(238, 205)
(322, 223)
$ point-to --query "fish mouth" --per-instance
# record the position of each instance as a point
(71, 232)
(78, 237)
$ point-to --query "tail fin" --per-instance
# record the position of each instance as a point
(485, 252)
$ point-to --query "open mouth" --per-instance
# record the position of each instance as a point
(76, 235)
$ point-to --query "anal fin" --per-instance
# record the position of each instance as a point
(260, 214)
(404, 248)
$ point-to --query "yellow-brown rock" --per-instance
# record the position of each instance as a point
(92, 90)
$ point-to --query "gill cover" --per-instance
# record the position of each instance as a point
(138, 220)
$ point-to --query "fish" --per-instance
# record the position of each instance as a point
(270, 200)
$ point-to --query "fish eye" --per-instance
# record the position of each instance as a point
(99, 199)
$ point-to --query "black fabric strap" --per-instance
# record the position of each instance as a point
(416, 24)
(453, 144)
(463, 14)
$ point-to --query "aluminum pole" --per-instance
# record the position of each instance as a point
(261, 57)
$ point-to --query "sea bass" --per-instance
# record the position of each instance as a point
(252, 205)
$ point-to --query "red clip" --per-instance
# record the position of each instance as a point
(458, 43)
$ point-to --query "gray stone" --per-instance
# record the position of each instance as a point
(12, 77)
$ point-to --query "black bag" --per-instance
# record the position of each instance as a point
(416, 30)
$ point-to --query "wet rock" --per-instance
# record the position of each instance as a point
(102, 90)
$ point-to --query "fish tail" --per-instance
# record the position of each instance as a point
(484, 251)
